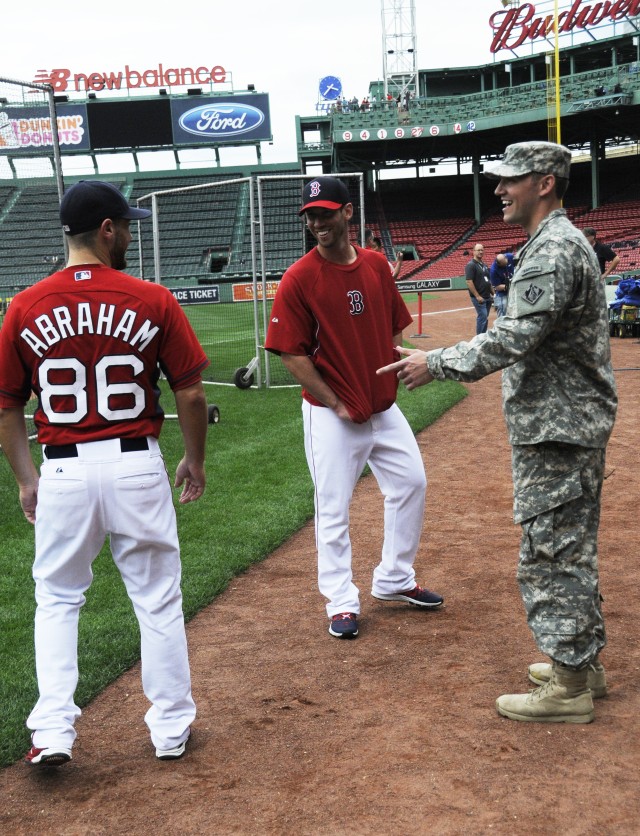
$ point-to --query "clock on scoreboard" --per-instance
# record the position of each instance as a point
(330, 87)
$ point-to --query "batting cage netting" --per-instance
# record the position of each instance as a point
(30, 190)
(221, 247)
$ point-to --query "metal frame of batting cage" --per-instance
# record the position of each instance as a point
(252, 372)
(55, 140)
(52, 151)
(302, 177)
(153, 196)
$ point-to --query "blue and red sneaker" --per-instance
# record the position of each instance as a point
(344, 625)
(419, 596)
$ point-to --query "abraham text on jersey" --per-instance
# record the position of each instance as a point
(70, 321)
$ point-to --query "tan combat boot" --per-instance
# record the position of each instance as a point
(565, 698)
(540, 673)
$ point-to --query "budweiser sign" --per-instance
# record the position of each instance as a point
(515, 26)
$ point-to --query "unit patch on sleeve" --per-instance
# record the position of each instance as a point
(532, 294)
(532, 289)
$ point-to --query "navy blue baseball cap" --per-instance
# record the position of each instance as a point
(325, 193)
(89, 202)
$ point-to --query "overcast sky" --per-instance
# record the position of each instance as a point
(282, 47)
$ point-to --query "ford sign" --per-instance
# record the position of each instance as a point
(223, 119)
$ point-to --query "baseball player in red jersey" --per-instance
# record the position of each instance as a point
(336, 313)
(90, 342)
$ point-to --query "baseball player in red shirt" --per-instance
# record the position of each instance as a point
(90, 342)
(337, 312)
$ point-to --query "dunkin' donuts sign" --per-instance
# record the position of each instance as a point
(520, 24)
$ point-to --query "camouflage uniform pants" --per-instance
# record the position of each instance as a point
(557, 490)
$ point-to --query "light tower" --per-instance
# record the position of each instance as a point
(399, 53)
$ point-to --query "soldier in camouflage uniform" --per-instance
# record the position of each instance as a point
(559, 401)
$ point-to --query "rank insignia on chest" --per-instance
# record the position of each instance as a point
(532, 294)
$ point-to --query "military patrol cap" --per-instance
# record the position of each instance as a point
(532, 158)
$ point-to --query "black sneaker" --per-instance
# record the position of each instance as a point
(344, 625)
(419, 596)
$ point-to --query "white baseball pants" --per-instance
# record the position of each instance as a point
(81, 500)
(337, 452)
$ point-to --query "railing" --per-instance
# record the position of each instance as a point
(620, 82)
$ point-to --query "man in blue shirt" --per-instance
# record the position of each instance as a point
(500, 275)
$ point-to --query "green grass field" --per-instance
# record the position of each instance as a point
(227, 334)
(258, 493)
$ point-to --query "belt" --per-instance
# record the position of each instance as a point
(70, 451)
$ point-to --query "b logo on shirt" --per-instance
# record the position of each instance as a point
(356, 302)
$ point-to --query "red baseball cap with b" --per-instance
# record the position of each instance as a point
(324, 193)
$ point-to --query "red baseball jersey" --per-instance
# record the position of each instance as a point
(344, 318)
(90, 341)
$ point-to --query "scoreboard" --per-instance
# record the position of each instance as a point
(140, 122)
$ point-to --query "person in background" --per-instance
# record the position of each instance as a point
(476, 274)
(559, 400)
(607, 258)
(375, 244)
(500, 275)
(90, 342)
(336, 314)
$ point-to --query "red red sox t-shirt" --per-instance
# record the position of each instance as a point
(344, 318)
(90, 342)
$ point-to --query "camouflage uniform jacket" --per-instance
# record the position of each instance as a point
(553, 344)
